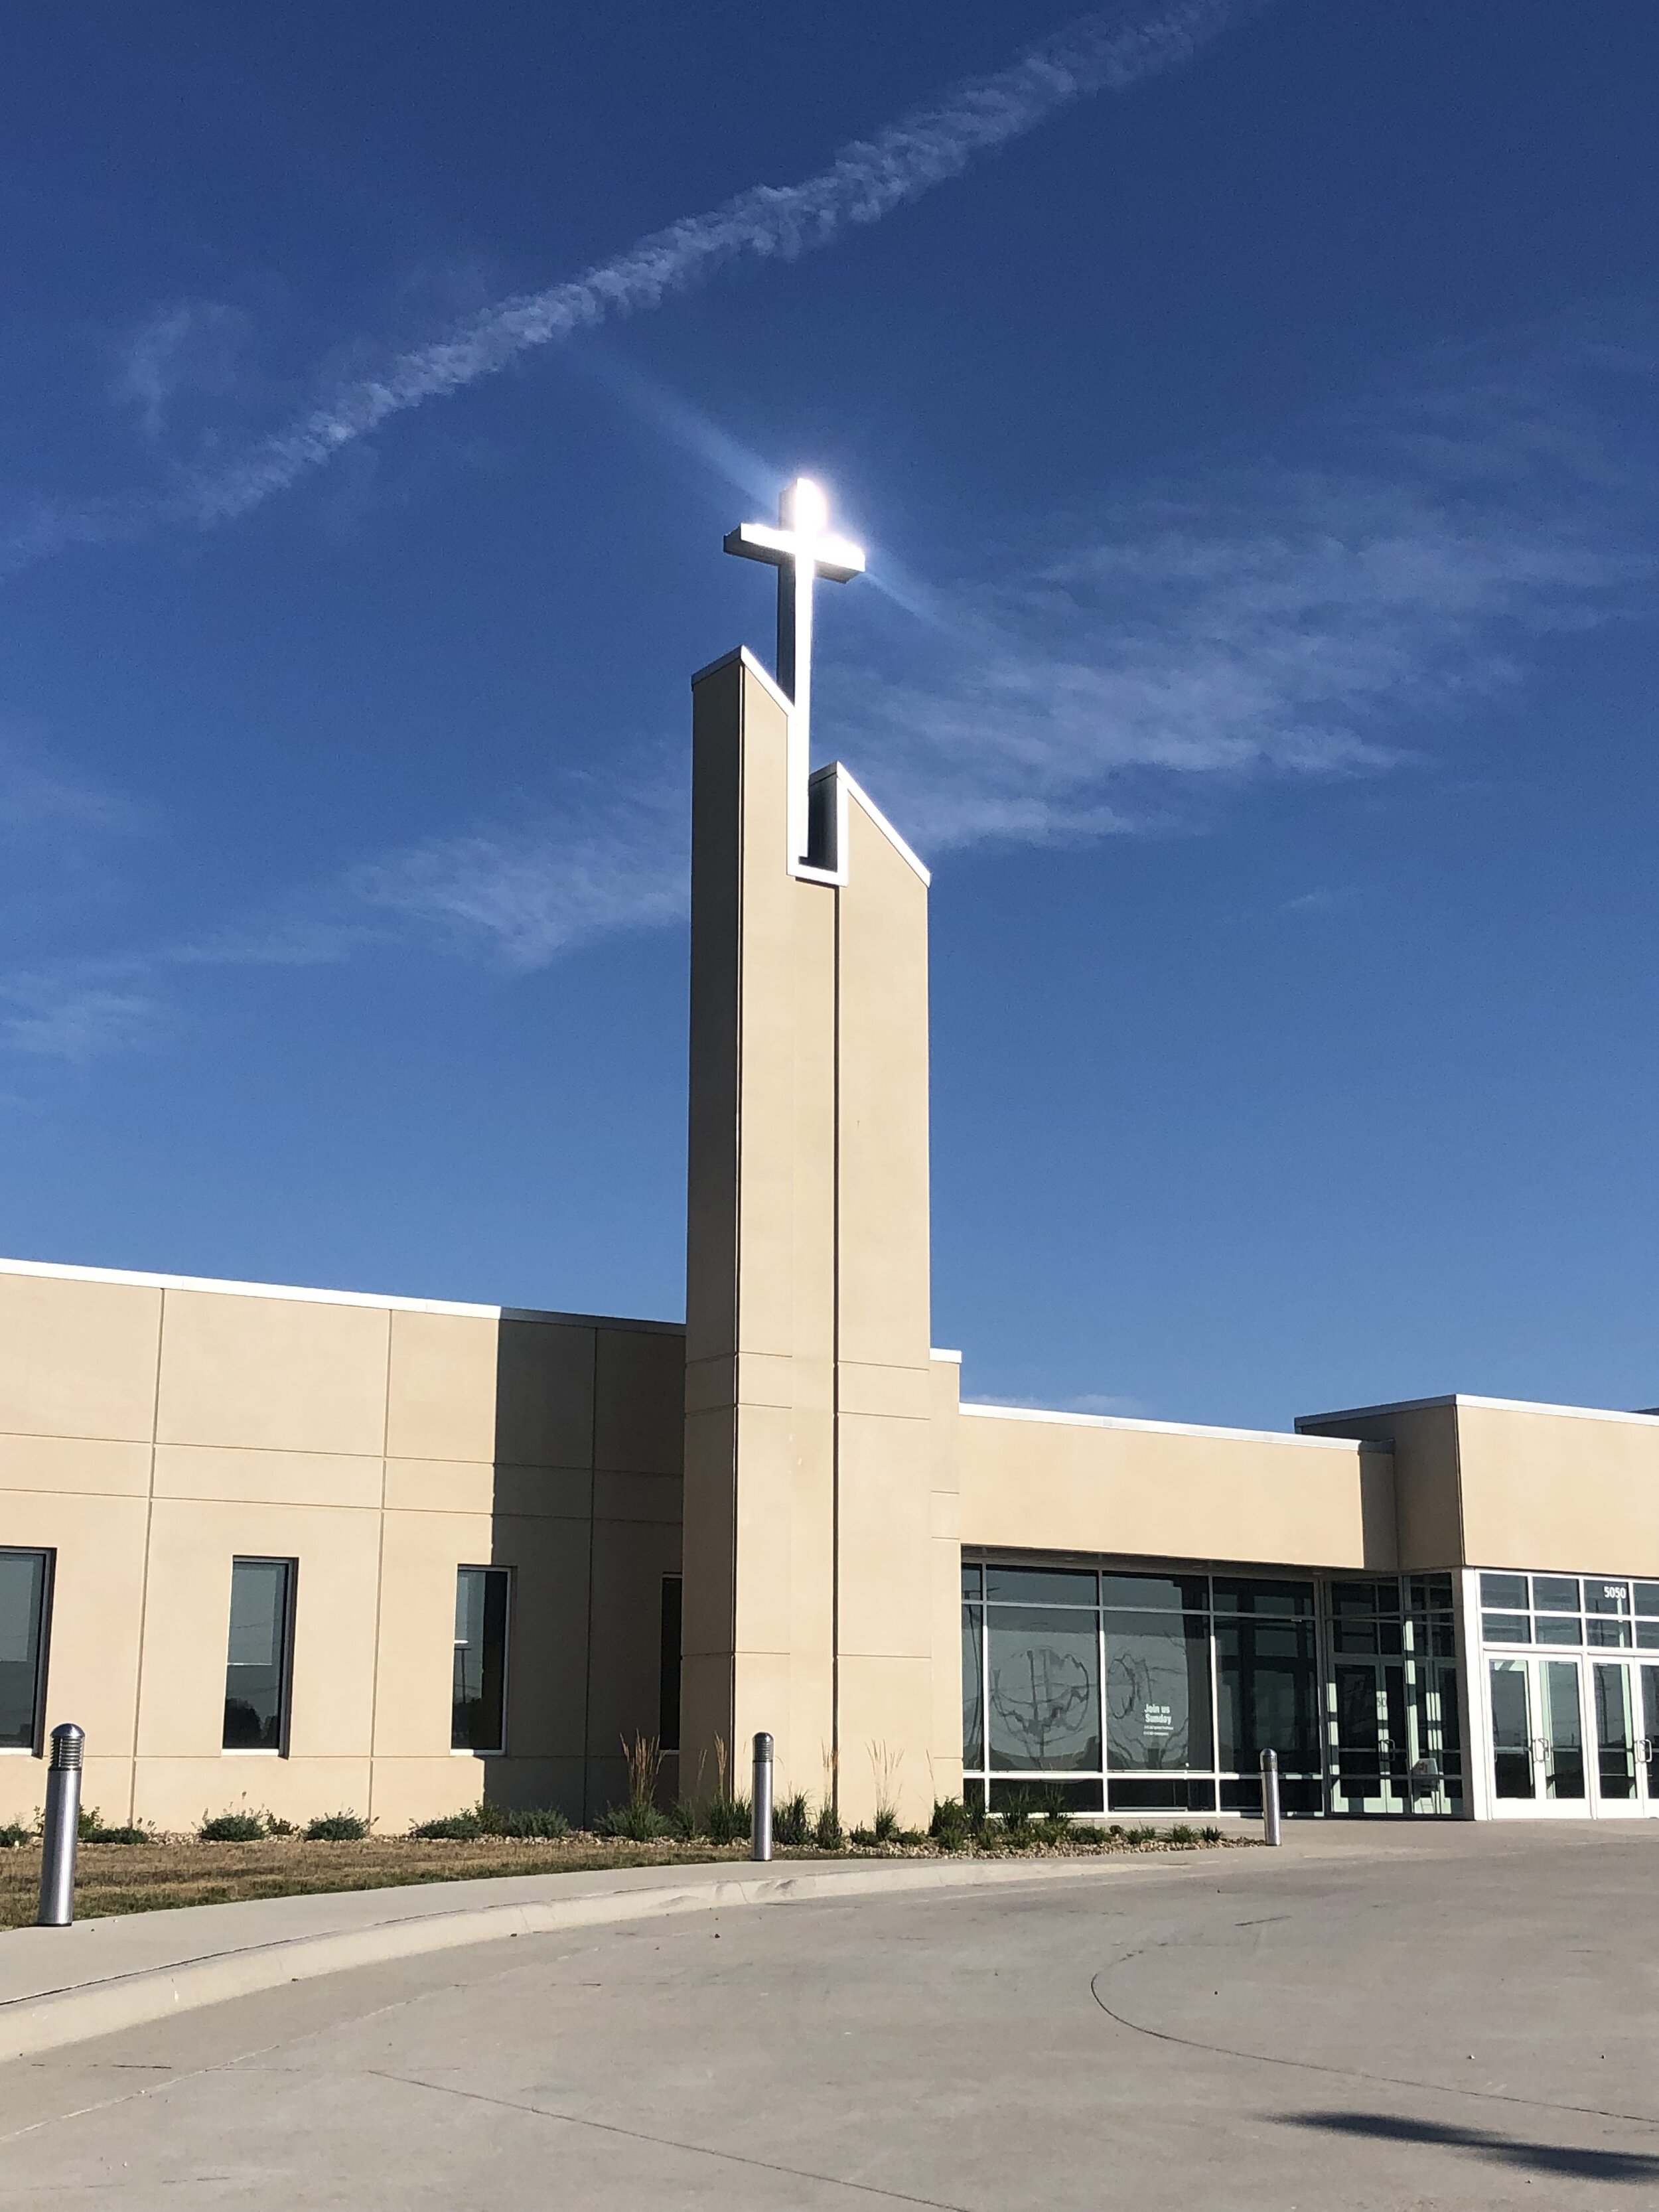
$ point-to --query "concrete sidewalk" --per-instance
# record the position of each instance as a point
(61, 1985)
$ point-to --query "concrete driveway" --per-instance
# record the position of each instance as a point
(1371, 2018)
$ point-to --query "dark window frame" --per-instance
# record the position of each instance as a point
(670, 1656)
(499, 1748)
(290, 1566)
(47, 1554)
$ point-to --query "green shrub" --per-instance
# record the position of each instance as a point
(449, 1828)
(1211, 1835)
(1140, 1835)
(232, 1828)
(1181, 1834)
(13, 1833)
(90, 1828)
(642, 1823)
(1086, 1832)
(537, 1821)
(951, 1826)
(827, 1832)
(543, 1823)
(336, 1828)
(683, 1819)
(1016, 1811)
(792, 1821)
(725, 1820)
(885, 1827)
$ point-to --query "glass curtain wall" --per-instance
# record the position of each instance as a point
(1139, 1692)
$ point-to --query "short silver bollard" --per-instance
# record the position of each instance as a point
(62, 1827)
(1270, 1797)
(759, 1845)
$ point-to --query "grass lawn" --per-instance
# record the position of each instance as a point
(145, 1877)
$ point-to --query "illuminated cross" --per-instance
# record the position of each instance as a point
(801, 548)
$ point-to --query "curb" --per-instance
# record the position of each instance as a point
(29, 2026)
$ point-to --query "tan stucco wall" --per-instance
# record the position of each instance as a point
(1424, 1441)
(150, 1433)
(760, 1326)
(1119, 1487)
(1547, 1490)
(885, 1382)
(1486, 1483)
(810, 1462)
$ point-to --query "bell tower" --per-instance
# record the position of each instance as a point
(815, 1586)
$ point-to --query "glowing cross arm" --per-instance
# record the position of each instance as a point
(837, 558)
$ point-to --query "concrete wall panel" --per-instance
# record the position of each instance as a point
(273, 1374)
(77, 1359)
(1056, 1486)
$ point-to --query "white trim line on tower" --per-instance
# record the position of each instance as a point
(954, 1358)
(858, 791)
(742, 655)
(381, 1301)
(1157, 1428)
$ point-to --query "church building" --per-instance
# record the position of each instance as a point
(316, 1550)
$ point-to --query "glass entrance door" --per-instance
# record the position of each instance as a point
(1626, 1706)
(1538, 1736)
(1369, 1724)
(1618, 1778)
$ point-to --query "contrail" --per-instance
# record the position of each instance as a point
(1112, 50)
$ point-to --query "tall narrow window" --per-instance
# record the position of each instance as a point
(25, 1581)
(479, 1712)
(668, 1688)
(256, 1671)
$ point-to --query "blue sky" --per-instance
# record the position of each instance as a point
(1250, 413)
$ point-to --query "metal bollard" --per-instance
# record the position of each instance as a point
(62, 1826)
(1270, 1797)
(761, 1834)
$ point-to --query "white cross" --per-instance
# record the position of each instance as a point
(801, 549)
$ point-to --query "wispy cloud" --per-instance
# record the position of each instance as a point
(515, 897)
(1267, 617)
(81, 1012)
(39, 795)
(190, 348)
(1112, 50)
(1093, 1402)
(1281, 615)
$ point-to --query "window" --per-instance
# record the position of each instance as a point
(1268, 1686)
(256, 1669)
(478, 1711)
(1043, 1674)
(973, 1670)
(1056, 1659)
(668, 1693)
(25, 1585)
(1560, 1609)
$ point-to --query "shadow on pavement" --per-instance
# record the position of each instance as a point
(1506, 2150)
